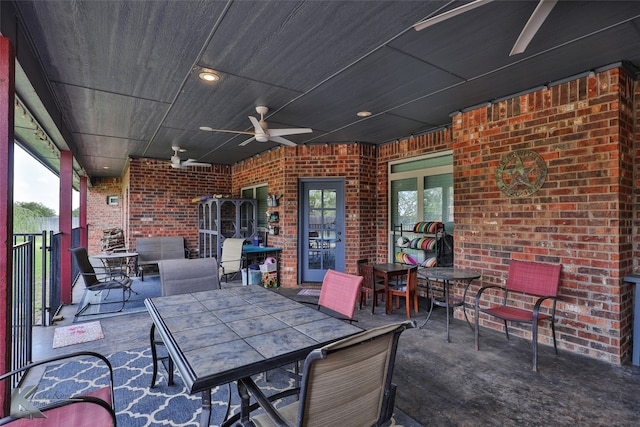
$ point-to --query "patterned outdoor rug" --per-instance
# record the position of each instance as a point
(137, 405)
(105, 301)
(76, 334)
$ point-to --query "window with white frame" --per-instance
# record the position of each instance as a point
(260, 192)
(421, 189)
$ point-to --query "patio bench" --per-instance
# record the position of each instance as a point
(538, 282)
(152, 250)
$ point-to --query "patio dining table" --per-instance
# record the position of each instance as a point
(219, 336)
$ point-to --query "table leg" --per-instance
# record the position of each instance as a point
(244, 403)
(446, 306)
(430, 296)
(205, 416)
(387, 297)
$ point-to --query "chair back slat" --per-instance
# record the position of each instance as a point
(534, 278)
(340, 292)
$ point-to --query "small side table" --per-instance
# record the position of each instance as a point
(635, 279)
(447, 275)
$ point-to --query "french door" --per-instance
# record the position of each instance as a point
(321, 240)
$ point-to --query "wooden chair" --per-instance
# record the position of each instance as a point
(409, 291)
(104, 280)
(347, 383)
(370, 287)
(231, 257)
(181, 276)
(524, 279)
(339, 293)
(93, 408)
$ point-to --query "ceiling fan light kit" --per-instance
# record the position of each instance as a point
(261, 132)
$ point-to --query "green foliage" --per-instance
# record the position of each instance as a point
(28, 217)
(38, 208)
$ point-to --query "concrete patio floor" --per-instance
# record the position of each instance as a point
(451, 384)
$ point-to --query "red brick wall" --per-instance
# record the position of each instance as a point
(160, 199)
(583, 217)
(284, 167)
(100, 215)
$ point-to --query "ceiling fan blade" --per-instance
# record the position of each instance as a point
(242, 144)
(532, 26)
(291, 131)
(282, 141)
(257, 127)
(193, 162)
(208, 129)
(449, 14)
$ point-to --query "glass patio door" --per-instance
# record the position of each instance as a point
(322, 228)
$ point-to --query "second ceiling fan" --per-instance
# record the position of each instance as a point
(261, 132)
(537, 18)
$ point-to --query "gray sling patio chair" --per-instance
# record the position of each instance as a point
(100, 280)
(181, 276)
(347, 383)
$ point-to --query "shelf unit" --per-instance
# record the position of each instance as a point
(220, 219)
(417, 245)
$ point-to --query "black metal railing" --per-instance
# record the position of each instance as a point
(22, 304)
(55, 296)
(55, 292)
(35, 303)
(41, 251)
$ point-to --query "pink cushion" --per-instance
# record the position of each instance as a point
(515, 314)
(76, 414)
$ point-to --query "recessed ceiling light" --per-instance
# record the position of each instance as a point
(209, 76)
(105, 167)
(364, 113)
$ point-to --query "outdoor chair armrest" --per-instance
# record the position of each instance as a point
(328, 310)
(247, 384)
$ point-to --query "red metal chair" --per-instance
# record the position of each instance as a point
(94, 408)
(525, 278)
(339, 293)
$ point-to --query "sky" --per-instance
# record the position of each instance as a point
(32, 182)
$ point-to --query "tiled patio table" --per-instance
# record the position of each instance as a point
(220, 336)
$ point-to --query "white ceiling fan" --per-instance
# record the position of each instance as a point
(178, 163)
(261, 132)
(530, 29)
